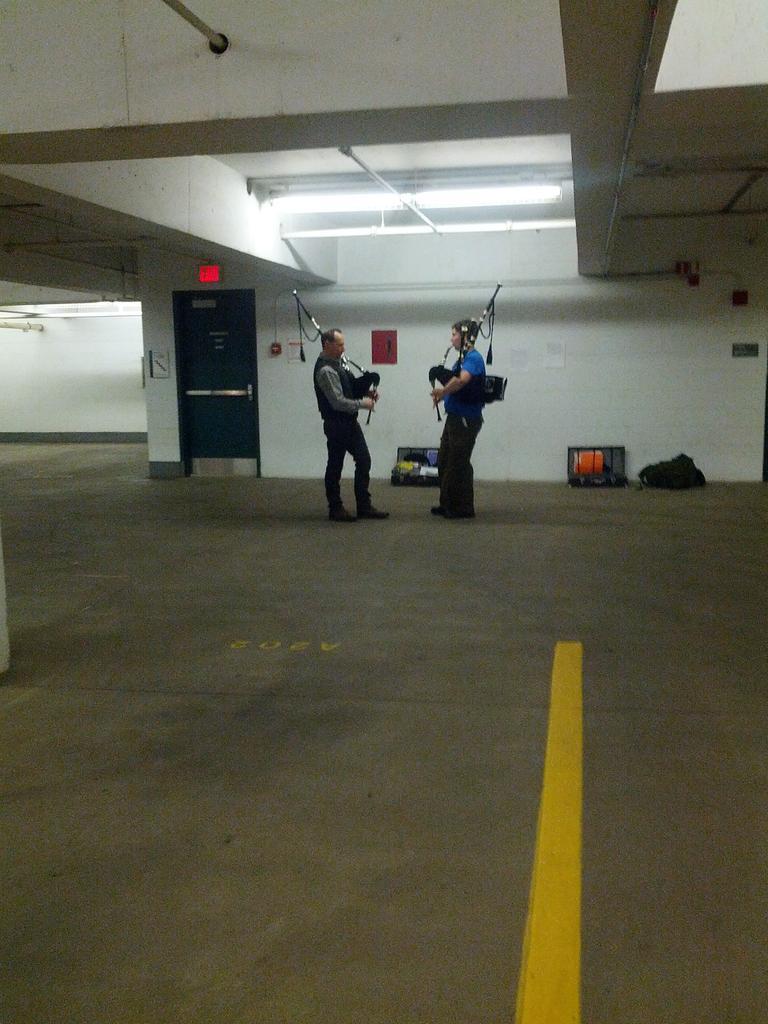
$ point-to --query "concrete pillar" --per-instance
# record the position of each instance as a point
(5, 651)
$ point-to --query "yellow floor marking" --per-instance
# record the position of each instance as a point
(550, 975)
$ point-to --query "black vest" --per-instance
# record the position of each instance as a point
(473, 391)
(347, 386)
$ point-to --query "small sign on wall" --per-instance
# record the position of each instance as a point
(554, 357)
(742, 350)
(384, 347)
(159, 364)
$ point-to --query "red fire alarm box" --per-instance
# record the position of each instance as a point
(383, 346)
(275, 349)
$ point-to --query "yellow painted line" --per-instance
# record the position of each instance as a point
(550, 975)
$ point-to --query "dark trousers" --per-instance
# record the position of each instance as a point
(346, 436)
(456, 475)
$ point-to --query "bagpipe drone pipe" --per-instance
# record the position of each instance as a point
(494, 388)
(362, 386)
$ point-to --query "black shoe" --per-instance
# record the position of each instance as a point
(340, 515)
(371, 513)
(437, 510)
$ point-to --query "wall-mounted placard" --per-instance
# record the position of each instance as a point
(384, 347)
(742, 350)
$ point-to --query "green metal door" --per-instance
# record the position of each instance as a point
(216, 355)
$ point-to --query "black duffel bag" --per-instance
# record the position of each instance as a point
(675, 474)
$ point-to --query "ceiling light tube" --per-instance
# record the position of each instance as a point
(20, 325)
(350, 202)
(512, 195)
(439, 199)
(420, 229)
(541, 225)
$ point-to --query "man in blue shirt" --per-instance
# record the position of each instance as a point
(463, 398)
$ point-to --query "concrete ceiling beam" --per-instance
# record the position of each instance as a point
(289, 132)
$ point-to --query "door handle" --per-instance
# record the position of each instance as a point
(219, 393)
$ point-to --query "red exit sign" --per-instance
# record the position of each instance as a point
(209, 273)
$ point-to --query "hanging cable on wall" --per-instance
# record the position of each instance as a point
(304, 334)
(489, 314)
(363, 386)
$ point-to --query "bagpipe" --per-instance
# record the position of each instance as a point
(494, 388)
(362, 386)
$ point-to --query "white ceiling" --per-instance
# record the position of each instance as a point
(107, 62)
(715, 45)
(411, 88)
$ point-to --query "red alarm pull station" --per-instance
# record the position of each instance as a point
(740, 297)
(209, 273)
(275, 349)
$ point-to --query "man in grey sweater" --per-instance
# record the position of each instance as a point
(335, 393)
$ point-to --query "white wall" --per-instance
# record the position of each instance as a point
(76, 375)
(159, 277)
(647, 363)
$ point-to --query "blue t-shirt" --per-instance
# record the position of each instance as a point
(473, 363)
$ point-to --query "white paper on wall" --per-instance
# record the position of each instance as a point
(554, 358)
(518, 359)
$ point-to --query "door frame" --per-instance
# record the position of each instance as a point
(178, 297)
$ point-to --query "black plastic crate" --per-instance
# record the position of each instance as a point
(597, 465)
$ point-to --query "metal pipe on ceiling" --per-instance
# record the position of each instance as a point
(741, 192)
(217, 41)
(347, 151)
(77, 243)
(697, 168)
(653, 9)
(693, 214)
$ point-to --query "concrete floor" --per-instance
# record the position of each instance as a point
(200, 825)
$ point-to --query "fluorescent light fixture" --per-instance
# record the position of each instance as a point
(352, 202)
(512, 195)
(541, 225)
(72, 310)
(366, 232)
(20, 325)
(446, 229)
(438, 199)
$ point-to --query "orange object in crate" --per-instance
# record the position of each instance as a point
(590, 462)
